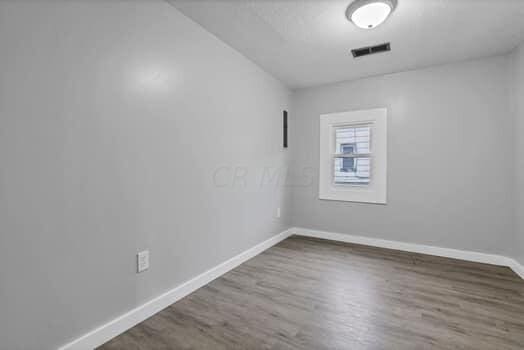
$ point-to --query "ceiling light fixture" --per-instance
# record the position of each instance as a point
(368, 14)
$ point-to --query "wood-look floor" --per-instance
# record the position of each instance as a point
(307, 293)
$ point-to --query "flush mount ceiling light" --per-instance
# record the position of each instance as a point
(368, 14)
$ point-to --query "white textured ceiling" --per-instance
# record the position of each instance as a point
(306, 43)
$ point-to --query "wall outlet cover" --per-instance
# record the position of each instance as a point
(142, 261)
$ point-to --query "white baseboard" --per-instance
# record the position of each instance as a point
(416, 248)
(124, 322)
(517, 267)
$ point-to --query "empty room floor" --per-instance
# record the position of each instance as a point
(307, 293)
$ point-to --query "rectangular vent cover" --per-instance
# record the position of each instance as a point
(369, 50)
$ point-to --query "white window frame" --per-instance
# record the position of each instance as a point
(374, 192)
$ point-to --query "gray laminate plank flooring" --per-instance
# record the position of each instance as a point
(307, 293)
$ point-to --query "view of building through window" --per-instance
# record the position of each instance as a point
(352, 158)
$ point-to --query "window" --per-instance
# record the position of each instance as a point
(353, 156)
(348, 164)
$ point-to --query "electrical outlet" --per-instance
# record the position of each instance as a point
(278, 213)
(142, 261)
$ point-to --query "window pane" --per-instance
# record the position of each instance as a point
(353, 139)
(352, 170)
(358, 173)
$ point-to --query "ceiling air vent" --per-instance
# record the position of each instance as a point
(369, 50)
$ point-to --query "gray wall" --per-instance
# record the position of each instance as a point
(518, 94)
(450, 157)
(114, 116)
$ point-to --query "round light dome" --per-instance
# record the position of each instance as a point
(368, 14)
